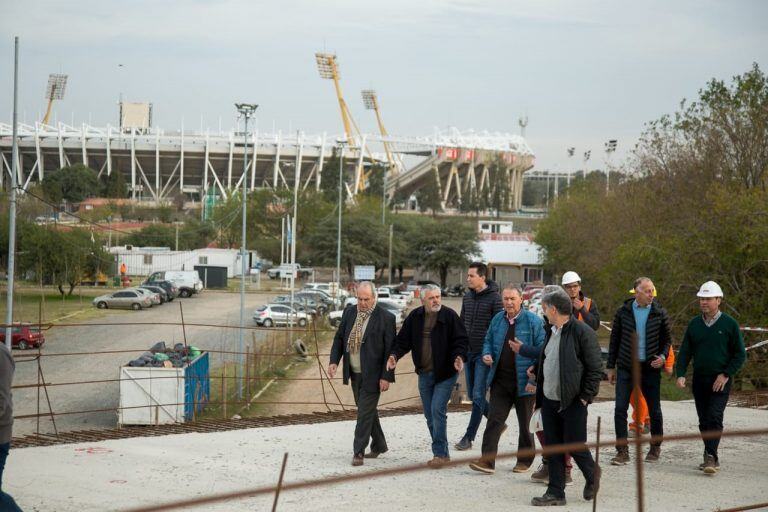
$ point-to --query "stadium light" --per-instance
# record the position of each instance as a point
(54, 91)
(326, 65)
(369, 99)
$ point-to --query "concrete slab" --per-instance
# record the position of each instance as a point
(117, 475)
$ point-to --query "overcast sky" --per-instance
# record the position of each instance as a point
(582, 71)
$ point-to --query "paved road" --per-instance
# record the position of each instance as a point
(210, 307)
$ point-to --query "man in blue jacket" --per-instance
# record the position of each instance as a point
(507, 377)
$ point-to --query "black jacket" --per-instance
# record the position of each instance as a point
(448, 337)
(658, 337)
(581, 367)
(376, 347)
(477, 310)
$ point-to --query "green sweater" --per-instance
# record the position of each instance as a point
(716, 349)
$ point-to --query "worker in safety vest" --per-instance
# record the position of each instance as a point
(123, 269)
(584, 308)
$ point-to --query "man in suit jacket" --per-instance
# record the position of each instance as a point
(364, 339)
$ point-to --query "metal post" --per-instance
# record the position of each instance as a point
(389, 261)
(12, 213)
(246, 110)
(341, 206)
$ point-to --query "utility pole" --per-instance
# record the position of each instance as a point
(12, 213)
(246, 110)
(341, 206)
(389, 260)
(177, 237)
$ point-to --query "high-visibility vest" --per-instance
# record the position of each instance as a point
(588, 304)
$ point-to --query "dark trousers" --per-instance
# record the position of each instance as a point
(650, 385)
(368, 427)
(7, 504)
(710, 407)
(503, 398)
(566, 427)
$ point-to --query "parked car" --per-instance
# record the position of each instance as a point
(384, 295)
(456, 290)
(332, 289)
(187, 281)
(286, 270)
(331, 301)
(322, 302)
(159, 291)
(304, 306)
(279, 314)
(334, 317)
(171, 289)
(154, 298)
(394, 292)
(130, 299)
(24, 336)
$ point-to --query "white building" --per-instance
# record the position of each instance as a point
(142, 261)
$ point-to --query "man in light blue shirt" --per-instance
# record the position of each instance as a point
(641, 318)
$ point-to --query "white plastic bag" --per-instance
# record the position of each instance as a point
(536, 425)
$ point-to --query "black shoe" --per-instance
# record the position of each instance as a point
(464, 444)
(357, 459)
(548, 500)
(589, 491)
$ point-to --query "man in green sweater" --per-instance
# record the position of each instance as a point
(713, 340)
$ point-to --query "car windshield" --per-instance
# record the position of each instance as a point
(262, 308)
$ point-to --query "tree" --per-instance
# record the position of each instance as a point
(114, 185)
(73, 184)
(444, 245)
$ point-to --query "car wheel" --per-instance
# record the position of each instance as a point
(184, 293)
(135, 306)
(101, 305)
(302, 322)
(267, 323)
(22, 345)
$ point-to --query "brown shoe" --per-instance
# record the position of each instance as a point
(542, 474)
(622, 456)
(521, 467)
(710, 465)
(357, 459)
(438, 462)
(653, 454)
(483, 466)
(373, 454)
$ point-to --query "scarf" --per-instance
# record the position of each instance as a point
(356, 336)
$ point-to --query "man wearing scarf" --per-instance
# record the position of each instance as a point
(364, 339)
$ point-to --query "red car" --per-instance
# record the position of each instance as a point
(24, 336)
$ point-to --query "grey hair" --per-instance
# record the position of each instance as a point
(558, 299)
(369, 285)
(428, 288)
(641, 280)
(514, 287)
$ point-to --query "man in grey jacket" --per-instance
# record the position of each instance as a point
(7, 368)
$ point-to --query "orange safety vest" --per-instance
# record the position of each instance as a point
(588, 304)
(123, 268)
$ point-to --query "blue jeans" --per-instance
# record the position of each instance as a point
(434, 400)
(7, 504)
(650, 385)
(476, 373)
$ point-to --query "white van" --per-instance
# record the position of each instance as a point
(187, 281)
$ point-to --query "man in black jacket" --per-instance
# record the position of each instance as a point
(438, 342)
(568, 379)
(641, 323)
(480, 304)
(364, 338)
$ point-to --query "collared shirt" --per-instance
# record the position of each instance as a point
(641, 319)
(354, 359)
(710, 323)
(512, 320)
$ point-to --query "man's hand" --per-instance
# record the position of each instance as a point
(577, 303)
(611, 375)
(488, 359)
(515, 345)
(383, 385)
(530, 374)
(530, 388)
(458, 364)
(720, 383)
(583, 402)
(657, 362)
(681, 382)
(391, 363)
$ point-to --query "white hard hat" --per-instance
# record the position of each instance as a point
(710, 289)
(570, 277)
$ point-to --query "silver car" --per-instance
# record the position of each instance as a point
(154, 298)
(129, 299)
(279, 314)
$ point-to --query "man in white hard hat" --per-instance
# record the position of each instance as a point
(713, 340)
(584, 308)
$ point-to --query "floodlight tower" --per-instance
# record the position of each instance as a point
(329, 70)
(610, 148)
(371, 102)
(54, 91)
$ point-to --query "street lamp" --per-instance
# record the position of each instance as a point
(610, 147)
(246, 111)
(341, 143)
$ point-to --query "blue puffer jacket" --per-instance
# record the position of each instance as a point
(529, 329)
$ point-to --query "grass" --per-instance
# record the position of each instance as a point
(32, 303)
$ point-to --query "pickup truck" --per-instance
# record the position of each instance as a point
(284, 271)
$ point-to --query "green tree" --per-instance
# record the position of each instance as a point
(73, 184)
(444, 245)
(114, 185)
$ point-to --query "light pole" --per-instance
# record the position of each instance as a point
(587, 154)
(12, 211)
(610, 147)
(246, 110)
(571, 152)
(341, 143)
